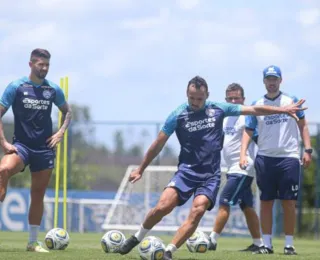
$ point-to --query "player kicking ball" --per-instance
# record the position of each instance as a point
(33, 144)
(237, 189)
(198, 126)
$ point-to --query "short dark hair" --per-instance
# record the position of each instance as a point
(235, 87)
(40, 53)
(198, 82)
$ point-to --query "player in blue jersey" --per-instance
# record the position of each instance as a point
(277, 162)
(237, 189)
(198, 126)
(34, 143)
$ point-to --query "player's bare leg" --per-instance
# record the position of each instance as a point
(199, 206)
(167, 202)
(221, 220)
(10, 165)
(289, 214)
(39, 184)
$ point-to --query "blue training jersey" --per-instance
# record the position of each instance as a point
(32, 106)
(200, 134)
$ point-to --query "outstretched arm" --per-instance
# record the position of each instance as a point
(260, 110)
(152, 152)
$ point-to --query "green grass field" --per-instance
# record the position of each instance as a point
(87, 246)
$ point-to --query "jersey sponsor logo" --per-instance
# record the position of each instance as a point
(46, 94)
(198, 125)
(229, 130)
(276, 119)
(36, 104)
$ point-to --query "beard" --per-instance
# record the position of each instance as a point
(41, 74)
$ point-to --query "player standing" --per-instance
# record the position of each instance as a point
(198, 126)
(277, 163)
(33, 144)
(238, 186)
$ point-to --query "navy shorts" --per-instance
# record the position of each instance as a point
(37, 160)
(186, 187)
(278, 178)
(237, 190)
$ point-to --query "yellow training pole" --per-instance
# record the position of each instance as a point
(65, 161)
(56, 202)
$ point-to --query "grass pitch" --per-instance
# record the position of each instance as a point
(87, 246)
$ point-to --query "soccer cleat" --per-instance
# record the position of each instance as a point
(263, 250)
(212, 246)
(290, 250)
(167, 255)
(128, 245)
(251, 248)
(36, 247)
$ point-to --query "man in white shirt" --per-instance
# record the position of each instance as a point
(277, 163)
(237, 189)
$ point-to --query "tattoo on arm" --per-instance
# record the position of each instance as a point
(66, 117)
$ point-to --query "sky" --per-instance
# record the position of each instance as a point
(131, 60)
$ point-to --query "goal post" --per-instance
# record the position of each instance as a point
(133, 201)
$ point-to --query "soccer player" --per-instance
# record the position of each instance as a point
(34, 143)
(198, 126)
(277, 162)
(238, 186)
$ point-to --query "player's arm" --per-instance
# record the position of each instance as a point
(66, 117)
(304, 132)
(260, 110)
(156, 147)
(5, 103)
(245, 141)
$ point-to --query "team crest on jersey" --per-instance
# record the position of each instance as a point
(46, 94)
(210, 112)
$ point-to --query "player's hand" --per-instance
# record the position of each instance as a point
(54, 140)
(243, 162)
(9, 148)
(306, 160)
(292, 109)
(135, 176)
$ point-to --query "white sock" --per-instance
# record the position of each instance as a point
(258, 241)
(33, 233)
(172, 248)
(141, 233)
(289, 241)
(214, 237)
(267, 240)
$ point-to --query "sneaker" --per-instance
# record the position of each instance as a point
(263, 250)
(212, 246)
(290, 250)
(128, 245)
(167, 255)
(36, 247)
(251, 248)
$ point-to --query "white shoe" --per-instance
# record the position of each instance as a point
(36, 247)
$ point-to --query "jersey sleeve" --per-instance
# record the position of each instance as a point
(170, 125)
(229, 109)
(8, 95)
(300, 114)
(251, 122)
(60, 98)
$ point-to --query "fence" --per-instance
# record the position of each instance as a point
(99, 153)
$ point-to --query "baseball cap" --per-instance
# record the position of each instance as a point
(272, 70)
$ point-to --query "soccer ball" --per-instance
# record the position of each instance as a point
(151, 248)
(57, 239)
(112, 240)
(199, 242)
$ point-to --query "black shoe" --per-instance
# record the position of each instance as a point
(212, 246)
(167, 255)
(263, 250)
(128, 245)
(289, 250)
(251, 248)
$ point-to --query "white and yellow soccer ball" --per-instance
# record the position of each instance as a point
(198, 243)
(57, 239)
(112, 240)
(151, 248)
